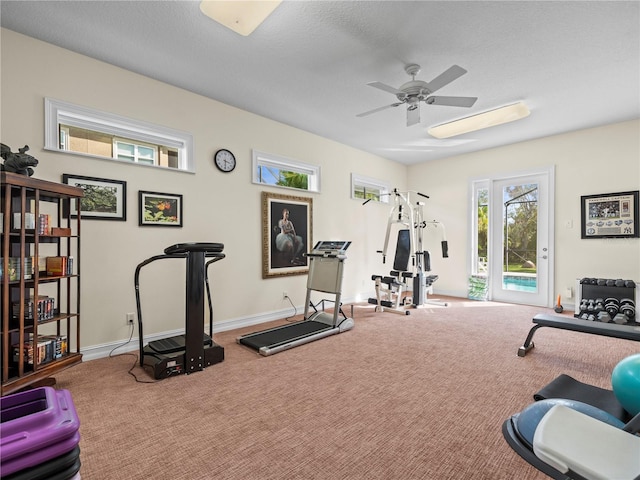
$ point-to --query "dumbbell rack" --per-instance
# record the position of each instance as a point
(607, 300)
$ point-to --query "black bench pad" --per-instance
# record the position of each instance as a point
(626, 332)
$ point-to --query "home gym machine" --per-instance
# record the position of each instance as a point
(194, 350)
(326, 262)
(410, 261)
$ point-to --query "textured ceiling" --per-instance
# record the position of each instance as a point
(575, 64)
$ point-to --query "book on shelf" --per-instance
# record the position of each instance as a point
(44, 309)
(59, 266)
(47, 348)
(29, 221)
(14, 270)
(60, 232)
(43, 224)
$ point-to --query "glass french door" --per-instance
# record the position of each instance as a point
(514, 237)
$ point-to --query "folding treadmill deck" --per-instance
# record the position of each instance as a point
(285, 334)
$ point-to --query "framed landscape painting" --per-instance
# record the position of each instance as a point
(103, 199)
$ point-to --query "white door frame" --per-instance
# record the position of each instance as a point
(546, 238)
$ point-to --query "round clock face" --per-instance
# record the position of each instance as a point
(225, 160)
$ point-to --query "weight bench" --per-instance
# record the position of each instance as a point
(626, 332)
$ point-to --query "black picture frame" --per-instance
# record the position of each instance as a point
(104, 199)
(157, 209)
(609, 215)
(283, 256)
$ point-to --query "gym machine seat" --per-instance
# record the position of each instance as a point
(194, 350)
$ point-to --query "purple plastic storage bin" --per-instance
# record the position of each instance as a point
(37, 425)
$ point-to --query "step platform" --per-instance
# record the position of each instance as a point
(39, 437)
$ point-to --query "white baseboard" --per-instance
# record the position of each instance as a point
(94, 352)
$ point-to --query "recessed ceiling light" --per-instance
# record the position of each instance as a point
(488, 119)
(241, 16)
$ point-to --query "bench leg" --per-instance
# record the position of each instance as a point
(528, 343)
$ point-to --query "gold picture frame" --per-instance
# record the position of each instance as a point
(287, 232)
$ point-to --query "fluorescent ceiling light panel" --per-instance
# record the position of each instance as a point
(241, 16)
(488, 119)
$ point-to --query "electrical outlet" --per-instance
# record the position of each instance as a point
(285, 295)
(568, 293)
(130, 318)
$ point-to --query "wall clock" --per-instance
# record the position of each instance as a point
(225, 160)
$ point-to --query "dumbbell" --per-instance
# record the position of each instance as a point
(604, 317)
(611, 283)
(629, 283)
(612, 306)
(583, 305)
(599, 305)
(620, 282)
(628, 307)
(591, 305)
(620, 319)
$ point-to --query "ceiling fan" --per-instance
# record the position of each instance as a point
(416, 91)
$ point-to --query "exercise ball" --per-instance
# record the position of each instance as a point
(625, 380)
(528, 419)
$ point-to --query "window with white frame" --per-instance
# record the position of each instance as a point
(366, 188)
(135, 152)
(85, 131)
(283, 172)
(479, 227)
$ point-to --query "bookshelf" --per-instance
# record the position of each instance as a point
(40, 310)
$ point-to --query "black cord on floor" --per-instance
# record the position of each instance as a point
(130, 371)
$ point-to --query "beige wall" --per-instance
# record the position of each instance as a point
(217, 207)
(587, 162)
(226, 208)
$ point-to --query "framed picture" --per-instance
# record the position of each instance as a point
(103, 199)
(160, 209)
(287, 223)
(610, 215)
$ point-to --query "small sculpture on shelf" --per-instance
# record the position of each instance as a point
(20, 162)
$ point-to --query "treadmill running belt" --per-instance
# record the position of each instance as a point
(568, 387)
(280, 335)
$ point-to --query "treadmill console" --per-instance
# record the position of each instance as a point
(330, 248)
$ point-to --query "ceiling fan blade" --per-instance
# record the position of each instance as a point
(452, 101)
(378, 109)
(386, 88)
(413, 115)
(446, 77)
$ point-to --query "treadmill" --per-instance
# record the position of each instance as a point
(326, 263)
(194, 350)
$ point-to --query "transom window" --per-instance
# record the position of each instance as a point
(84, 131)
(283, 172)
(366, 188)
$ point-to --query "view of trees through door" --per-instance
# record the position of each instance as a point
(520, 223)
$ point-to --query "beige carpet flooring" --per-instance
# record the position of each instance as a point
(398, 397)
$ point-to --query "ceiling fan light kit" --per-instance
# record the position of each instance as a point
(241, 16)
(488, 119)
(415, 91)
